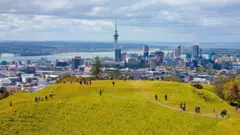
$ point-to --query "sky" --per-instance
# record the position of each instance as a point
(138, 20)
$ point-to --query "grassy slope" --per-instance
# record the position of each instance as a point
(80, 110)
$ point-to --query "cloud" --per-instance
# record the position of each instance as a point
(191, 18)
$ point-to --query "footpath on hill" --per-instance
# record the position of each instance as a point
(165, 106)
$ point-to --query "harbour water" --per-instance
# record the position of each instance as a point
(70, 55)
(63, 56)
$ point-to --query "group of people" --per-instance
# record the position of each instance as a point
(165, 97)
(38, 99)
(183, 106)
(224, 113)
(197, 109)
(85, 82)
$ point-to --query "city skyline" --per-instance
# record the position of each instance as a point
(143, 21)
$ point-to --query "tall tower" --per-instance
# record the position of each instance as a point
(145, 51)
(117, 50)
(178, 51)
(195, 52)
(116, 36)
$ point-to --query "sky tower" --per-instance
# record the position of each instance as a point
(117, 50)
(116, 36)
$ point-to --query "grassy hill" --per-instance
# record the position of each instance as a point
(127, 108)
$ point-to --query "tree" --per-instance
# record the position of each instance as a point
(96, 68)
(201, 69)
(115, 74)
(234, 92)
(3, 92)
(172, 78)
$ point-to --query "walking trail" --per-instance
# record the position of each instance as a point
(165, 106)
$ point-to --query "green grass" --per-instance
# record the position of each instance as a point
(123, 109)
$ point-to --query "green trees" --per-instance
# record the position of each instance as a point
(228, 88)
(172, 78)
(3, 93)
(96, 68)
(197, 85)
(115, 74)
(201, 69)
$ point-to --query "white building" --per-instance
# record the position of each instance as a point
(4, 81)
(200, 80)
(25, 77)
(132, 61)
(236, 65)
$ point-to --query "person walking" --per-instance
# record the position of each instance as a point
(10, 103)
(166, 97)
(51, 93)
(113, 83)
(184, 106)
(100, 92)
(36, 99)
(80, 82)
(181, 105)
(90, 82)
(156, 97)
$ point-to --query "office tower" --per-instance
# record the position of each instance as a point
(76, 62)
(195, 52)
(178, 52)
(118, 56)
(153, 63)
(145, 51)
(159, 56)
(200, 53)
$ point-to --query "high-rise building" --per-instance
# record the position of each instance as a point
(145, 51)
(76, 62)
(153, 63)
(178, 52)
(200, 53)
(118, 56)
(159, 56)
(117, 50)
(195, 52)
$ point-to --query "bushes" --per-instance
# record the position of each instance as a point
(172, 78)
(68, 78)
(3, 93)
(204, 95)
(197, 85)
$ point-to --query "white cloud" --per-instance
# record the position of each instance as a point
(196, 17)
(140, 30)
(50, 5)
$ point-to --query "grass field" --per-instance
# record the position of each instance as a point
(126, 108)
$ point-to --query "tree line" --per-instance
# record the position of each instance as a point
(228, 88)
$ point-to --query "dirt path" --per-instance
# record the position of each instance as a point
(165, 106)
(138, 85)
